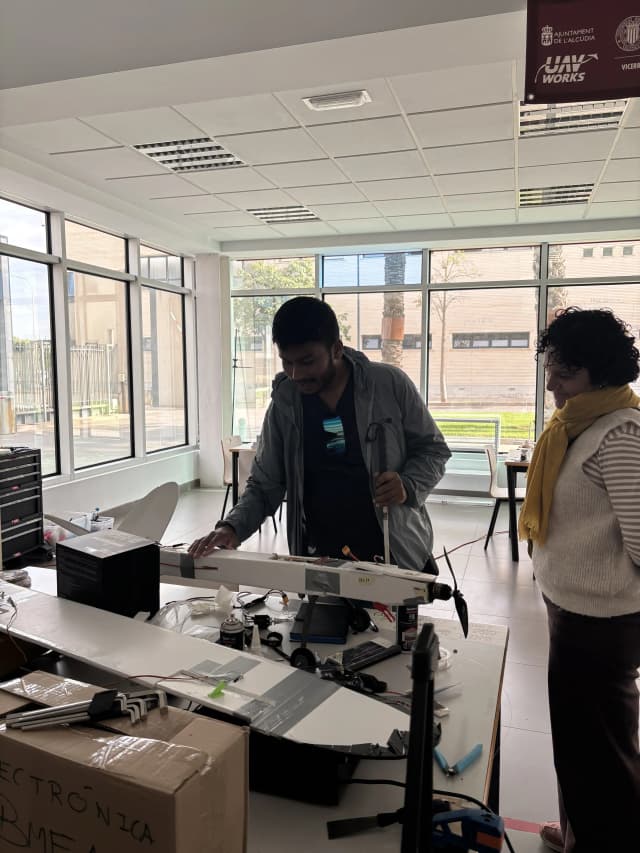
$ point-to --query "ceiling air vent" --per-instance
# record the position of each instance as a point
(338, 100)
(568, 194)
(190, 155)
(543, 119)
(293, 213)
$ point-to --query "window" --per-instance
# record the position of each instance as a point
(27, 394)
(579, 260)
(491, 340)
(518, 263)
(379, 323)
(90, 246)
(478, 400)
(412, 342)
(160, 266)
(392, 268)
(100, 358)
(164, 378)
(23, 226)
(273, 274)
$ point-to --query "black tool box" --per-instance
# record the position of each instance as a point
(21, 522)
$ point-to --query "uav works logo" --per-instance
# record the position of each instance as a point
(628, 34)
(565, 69)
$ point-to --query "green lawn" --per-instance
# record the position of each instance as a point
(513, 425)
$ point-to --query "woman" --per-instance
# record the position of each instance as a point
(581, 516)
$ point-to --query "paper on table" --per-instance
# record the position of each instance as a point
(480, 632)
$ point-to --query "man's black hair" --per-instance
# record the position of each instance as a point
(304, 320)
(593, 339)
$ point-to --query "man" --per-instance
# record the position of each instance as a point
(343, 437)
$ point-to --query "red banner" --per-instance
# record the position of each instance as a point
(582, 50)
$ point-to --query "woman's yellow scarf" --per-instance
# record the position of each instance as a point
(577, 414)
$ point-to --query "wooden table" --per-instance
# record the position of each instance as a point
(514, 467)
(243, 449)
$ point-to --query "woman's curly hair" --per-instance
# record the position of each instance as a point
(593, 339)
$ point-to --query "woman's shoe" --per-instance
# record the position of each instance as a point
(551, 834)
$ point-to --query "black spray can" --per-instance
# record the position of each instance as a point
(232, 633)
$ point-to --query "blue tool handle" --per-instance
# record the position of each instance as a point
(441, 761)
(468, 759)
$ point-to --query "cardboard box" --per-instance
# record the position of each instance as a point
(173, 783)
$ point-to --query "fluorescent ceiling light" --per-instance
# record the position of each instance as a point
(338, 101)
(292, 213)
(190, 155)
(567, 194)
(542, 119)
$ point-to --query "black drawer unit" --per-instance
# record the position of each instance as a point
(21, 524)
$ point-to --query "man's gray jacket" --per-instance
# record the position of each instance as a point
(415, 448)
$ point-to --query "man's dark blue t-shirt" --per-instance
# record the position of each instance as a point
(338, 500)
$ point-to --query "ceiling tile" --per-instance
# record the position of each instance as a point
(362, 226)
(477, 182)
(189, 204)
(473, 124)
(409, 206)
(382, 103)
(304, 174)
(609, 210)
(369, 167)
(622, 191)
(559, 175)
(633, 113)
(237, 115)
(305, 229)
(161, 124)
(356, 210)
(327, 194)
(413, 223)
(273, 146)
(485, 217)
(370, 136)
(480, 201)
(628, 144)
(398, 188)
(226, 219)
(480, 156)
(62, 135)
(552, 213)
(257, 232)
(565, 148)
(107, 163)
(152, 186)
(622, 170)
(454, 87)
(257, 198)
(238, 179)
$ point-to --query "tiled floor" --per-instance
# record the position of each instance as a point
(496, 590)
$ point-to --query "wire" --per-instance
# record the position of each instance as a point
(470, 542)
(10, 636)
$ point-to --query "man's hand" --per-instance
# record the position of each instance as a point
(223, 537)
(389, 489)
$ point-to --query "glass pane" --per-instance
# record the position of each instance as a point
(385, 326)
(95, 247)
(27, 397)
(164, 391)
(622, 299)
(160, 266)
(395, 268)
(254, 361)
(273, 274)
(99, 349)
(23, 226)
(594, 260)
(517, 263)
(482, 367)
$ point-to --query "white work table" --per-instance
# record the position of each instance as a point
(278, 824)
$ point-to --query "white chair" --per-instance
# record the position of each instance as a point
(500, 493)
(227, 460)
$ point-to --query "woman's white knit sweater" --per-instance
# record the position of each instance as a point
(590, 563)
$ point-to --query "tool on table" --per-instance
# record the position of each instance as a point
(461, 764)
(104, 705)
